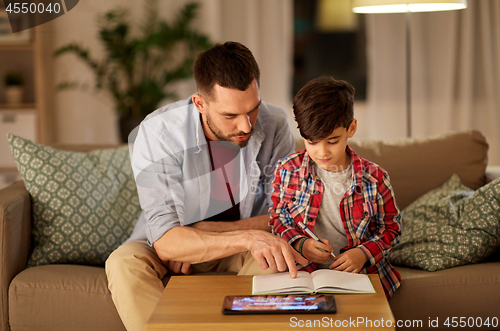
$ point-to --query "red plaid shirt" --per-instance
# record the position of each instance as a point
(369, 212)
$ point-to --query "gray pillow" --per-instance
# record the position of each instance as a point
(84, 205)
(450, 226)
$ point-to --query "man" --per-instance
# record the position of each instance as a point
(203, 169)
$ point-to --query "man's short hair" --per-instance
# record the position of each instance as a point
(323, 105)
(230, 65)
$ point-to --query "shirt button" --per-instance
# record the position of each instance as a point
(366, 213)
(293, 199)
(316, 192)
(309, 219)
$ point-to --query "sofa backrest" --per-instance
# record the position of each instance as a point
(415, 165)
(418, 165)
(83, 148)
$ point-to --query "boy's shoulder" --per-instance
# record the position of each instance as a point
(292, 161)
(369, 168)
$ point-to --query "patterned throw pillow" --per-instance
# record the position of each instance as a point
(450, 226)
(84, 205)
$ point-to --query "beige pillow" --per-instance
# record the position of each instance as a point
(418, 165)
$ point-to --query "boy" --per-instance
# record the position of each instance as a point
(342, 197)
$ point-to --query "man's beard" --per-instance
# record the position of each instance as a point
(221, 137)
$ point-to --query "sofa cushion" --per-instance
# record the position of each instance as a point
(450, 226)
(62, 297)
(418, 165)
(467, 291)
(84, 204)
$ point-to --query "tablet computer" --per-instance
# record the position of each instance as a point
(279, 304)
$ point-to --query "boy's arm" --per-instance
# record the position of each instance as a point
(387, 224)
(283, 145)
(282, 224)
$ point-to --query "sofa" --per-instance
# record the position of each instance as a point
(75, 297)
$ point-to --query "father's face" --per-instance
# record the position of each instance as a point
(230, 114)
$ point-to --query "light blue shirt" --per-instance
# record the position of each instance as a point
(171, 165)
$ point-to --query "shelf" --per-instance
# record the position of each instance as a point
(32, 54)
(25, 46)
(21, 107)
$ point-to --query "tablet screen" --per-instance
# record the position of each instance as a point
(309, 303)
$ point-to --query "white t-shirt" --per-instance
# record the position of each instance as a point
(329, 223)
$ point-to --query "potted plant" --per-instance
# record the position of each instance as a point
(14, 88)
(137, 71)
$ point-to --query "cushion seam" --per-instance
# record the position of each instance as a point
(453, 284)
(39, 288)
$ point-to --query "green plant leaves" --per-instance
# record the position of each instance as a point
(137, 71)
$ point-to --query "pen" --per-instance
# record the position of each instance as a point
(311, 234)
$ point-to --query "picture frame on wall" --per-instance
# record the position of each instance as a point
(6, 34)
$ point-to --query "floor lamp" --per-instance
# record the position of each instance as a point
(401, 6)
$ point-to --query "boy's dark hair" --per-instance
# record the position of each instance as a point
(230, 65)
(323, 105)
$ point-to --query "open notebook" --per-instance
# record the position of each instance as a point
(319, 281)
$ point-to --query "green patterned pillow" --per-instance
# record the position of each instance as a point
(84, 205)
(450, 226)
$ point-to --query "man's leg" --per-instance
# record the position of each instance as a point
(135, 280)
(250, 266)
(242, 264)
(230, 264)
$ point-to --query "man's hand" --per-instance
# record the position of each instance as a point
(178, 267)
(274, 252)
(352, 260)
(314, 250)
(187, 244)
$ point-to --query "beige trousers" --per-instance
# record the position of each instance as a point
(136, 279)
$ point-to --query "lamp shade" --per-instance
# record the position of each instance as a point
(401, 6)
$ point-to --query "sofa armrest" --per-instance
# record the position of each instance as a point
(492, 173)
(15, 239)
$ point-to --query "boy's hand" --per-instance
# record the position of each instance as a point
(311, 250)
(352, 260)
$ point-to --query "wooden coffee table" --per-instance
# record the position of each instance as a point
(195, 303)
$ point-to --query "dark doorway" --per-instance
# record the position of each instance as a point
(337, 49)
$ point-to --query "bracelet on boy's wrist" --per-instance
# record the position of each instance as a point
(301, 244)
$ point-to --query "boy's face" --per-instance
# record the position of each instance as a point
(330, 153)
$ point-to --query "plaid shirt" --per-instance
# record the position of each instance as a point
(371, 218)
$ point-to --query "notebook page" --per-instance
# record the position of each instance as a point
(282, 283)
(339, 281)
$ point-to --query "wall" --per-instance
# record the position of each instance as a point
(266, 28)
(455, 77)
(84, 116)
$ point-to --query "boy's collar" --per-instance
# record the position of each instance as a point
(307, 167)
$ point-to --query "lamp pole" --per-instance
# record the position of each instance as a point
(408, 73)
(407, 6)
